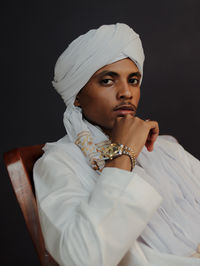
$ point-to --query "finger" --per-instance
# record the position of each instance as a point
(149, 146)
(152, 136)
(154, 127)
(127, 116)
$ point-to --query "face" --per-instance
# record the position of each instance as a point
(111, 92)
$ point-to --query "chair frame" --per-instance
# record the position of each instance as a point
(19, 163)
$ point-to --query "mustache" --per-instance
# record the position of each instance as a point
(126, 106)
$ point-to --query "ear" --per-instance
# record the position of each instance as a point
(76, 102)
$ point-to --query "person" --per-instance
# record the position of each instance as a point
(113, 191)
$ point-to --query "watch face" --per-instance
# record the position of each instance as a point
(112, 151)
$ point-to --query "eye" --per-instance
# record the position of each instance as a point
(134, 81)
(106, 81)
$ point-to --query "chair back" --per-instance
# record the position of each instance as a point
(19, 163)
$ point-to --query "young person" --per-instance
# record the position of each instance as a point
(113, 192)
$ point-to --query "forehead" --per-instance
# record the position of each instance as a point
(123, 66)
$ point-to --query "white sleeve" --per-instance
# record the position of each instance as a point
(97, 228)
(181, 155)
(193, 164)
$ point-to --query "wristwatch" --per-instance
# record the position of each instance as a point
(115, 150)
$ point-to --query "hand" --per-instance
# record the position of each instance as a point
(135, 133)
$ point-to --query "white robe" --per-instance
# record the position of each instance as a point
(97, 220)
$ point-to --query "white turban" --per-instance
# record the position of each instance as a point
(76, 65)
(90, 52)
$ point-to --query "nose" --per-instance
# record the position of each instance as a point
(124, 91)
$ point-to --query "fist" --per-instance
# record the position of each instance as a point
(135, 133)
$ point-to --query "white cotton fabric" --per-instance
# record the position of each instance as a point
(116, 218)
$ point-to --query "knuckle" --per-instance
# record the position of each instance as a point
(139, 121)
(118, 118)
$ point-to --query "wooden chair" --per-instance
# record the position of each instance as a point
(19, 163)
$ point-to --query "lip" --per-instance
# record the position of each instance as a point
(123, 112)
(124, 109)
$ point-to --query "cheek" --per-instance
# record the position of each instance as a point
(94, 106)
(96, 99)
(137, 96)
(97, 107)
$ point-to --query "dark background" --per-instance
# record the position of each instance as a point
(33, 35)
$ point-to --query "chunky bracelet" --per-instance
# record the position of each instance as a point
(115, 150)
(128, 151)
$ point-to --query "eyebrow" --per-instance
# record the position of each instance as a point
(115, 74)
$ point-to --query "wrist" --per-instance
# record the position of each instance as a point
(122, 162)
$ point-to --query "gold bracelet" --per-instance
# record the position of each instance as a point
(128, 151)
(115, 150)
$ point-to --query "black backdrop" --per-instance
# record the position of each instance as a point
(33, 35)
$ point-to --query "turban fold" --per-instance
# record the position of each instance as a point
(90, 52)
